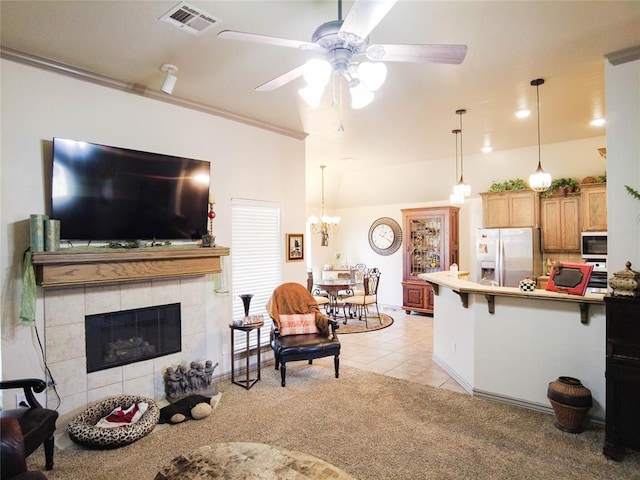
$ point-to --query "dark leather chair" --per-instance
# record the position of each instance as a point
(291, 299)
(12, 457)
(36, 422)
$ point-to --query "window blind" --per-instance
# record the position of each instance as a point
(256, 261)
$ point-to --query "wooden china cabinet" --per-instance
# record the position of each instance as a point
(430, 244)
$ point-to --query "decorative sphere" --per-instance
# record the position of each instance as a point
(212, 214)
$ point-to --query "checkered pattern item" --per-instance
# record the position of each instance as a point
(297, 324)
(527, 285)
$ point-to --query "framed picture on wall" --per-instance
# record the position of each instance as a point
(295, 247)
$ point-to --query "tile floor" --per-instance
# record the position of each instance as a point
(403, 350)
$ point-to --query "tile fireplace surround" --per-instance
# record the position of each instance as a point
(64, 312)
(87, 281)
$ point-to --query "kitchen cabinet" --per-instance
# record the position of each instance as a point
(594, 207)
(511, 208)
(430, 239)
(622, 428)
(560, 219)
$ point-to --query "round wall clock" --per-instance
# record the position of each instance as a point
(385, 236)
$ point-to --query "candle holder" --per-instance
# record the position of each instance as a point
(209, 239)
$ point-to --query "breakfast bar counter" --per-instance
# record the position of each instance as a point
(507, 345)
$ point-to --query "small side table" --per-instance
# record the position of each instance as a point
(248, 382)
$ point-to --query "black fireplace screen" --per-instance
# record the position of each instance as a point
(128, 336)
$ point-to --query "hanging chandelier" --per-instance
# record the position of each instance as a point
(323, 224)
(539, 180)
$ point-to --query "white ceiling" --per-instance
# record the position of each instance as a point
(509, 44)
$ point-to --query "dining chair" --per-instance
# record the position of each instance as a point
(321, 300)
(358, 304)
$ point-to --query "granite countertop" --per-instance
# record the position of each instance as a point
(466, 286)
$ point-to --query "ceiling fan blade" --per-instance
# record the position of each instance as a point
(363, 18)
(253, 37)
(283, 79)
(452, 54)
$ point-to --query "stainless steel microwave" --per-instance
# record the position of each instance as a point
(594, 245)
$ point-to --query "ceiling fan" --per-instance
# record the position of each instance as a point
(343, 48)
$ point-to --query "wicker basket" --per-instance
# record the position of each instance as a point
(570, 401)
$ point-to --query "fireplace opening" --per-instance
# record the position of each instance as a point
(128, 336)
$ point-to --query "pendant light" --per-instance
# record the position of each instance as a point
(539, 181)
(456, 198)
(461, 188)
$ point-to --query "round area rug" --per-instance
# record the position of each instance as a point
(357, 326)
(239, 460)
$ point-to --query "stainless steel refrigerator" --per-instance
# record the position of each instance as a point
(507, 255)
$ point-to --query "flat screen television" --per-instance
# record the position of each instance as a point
(108, 193)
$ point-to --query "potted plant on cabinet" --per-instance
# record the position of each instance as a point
(515, 184)
(562, 186)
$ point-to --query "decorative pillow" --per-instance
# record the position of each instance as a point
(298, 323)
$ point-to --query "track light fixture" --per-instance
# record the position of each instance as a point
(169, 79)
(539, 180)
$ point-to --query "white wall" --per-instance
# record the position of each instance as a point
(623, 155)
(246, 162)
(576, 159)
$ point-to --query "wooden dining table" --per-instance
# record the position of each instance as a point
(333, 287)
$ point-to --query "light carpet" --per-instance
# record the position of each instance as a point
(370, 426)
(355, 325)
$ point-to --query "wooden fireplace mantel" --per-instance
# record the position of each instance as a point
(97, 265)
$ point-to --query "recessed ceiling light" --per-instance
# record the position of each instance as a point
(348, 159)
(487, 149)
(523, 113)
(597, 122)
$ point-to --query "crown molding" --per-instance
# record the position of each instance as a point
(139, 89)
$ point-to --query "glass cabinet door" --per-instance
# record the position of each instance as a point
(425, 245)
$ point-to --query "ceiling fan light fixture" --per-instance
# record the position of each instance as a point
(361, 96)
(372, 74)
(317, 72)
(312, 95)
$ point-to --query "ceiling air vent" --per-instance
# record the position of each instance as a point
(189, 19)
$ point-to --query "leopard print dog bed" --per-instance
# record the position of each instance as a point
(83, 430)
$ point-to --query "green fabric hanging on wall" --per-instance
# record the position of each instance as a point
(28, 298)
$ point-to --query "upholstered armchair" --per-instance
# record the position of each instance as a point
(36, 422)
(12, 457)
(358, 304)
(300, 330)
